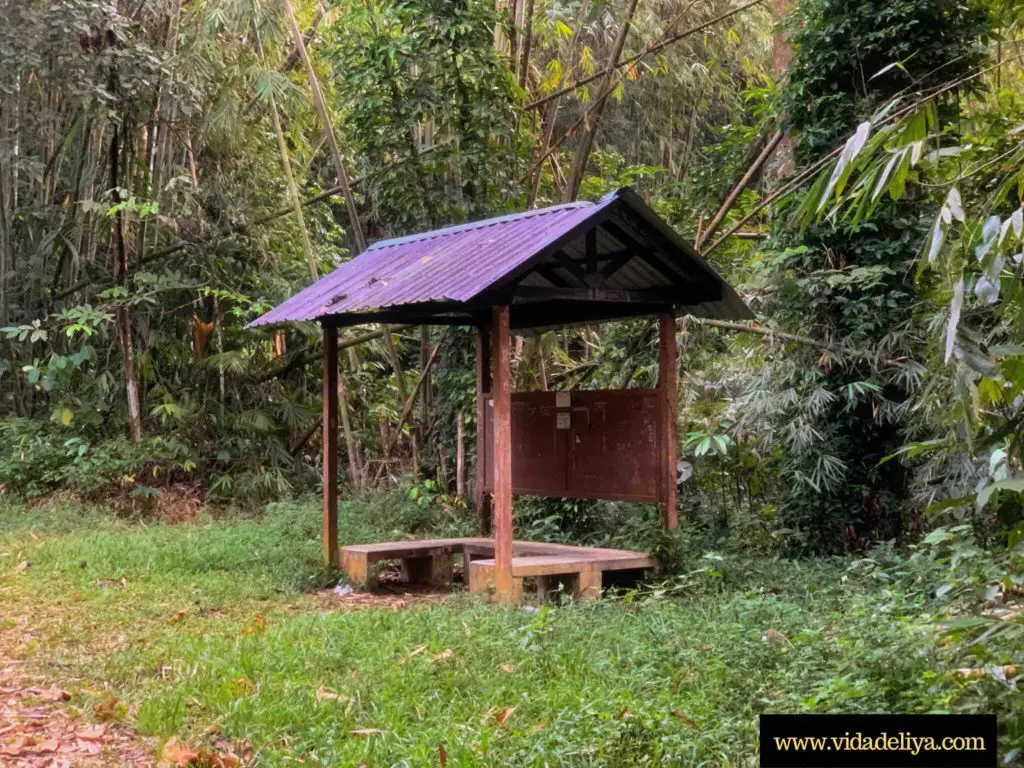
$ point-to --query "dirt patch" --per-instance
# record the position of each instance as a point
(40, 728)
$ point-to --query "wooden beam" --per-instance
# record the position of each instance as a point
(570, 266)
(330, 452)
(482, 499)
(668, 386)
(531, 293)
(676, 274)
(552, 315)
(425, 313)
(548, 273)
(590, 242)
(502, 453)
(652, 238)
(617, 262)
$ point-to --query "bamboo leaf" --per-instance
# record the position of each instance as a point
(954, 205)
(938, 235)
(1015, 484)
(841, 172)
(955, 306)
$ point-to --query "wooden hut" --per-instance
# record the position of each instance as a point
(567, 265)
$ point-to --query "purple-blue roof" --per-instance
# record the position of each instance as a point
(457, 266)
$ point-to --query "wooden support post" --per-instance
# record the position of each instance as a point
(330, 452)
(483, 387)
(460, 458)
(502, 453)
(668, 386)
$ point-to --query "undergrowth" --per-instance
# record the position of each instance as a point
(207, 631)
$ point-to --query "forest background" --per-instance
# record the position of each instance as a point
(168, 171)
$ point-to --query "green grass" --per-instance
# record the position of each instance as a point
(669, 677)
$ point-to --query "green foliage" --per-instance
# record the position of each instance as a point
(39, 458)
(966, 177)
(408, 68)
(851, 58)
(850, 285)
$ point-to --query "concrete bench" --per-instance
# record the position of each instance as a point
(580, 571)
(428, 561)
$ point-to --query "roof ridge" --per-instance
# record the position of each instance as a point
(479, 224)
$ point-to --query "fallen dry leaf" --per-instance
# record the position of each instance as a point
(223, 760)
(679, 715)
(177, 753)
(323, 693)
(774, 636)
(178, 616)
(366, 731)
(91, 732)
(442, 755)
(507, 668)
(417, 651)
(257, 626)
(53, 693)
(503, 715)
(88, 747)
(23, 566)
(108, 709)
(16, 747)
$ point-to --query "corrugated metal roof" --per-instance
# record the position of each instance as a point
(454, 264)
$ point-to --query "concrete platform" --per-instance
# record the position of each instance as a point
(430, 561)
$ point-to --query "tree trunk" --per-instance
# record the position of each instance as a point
(734, 193)
(524, 63)
(124, 320)
(350, 440)
(782, 54)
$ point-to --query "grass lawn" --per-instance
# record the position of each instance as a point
(223, 631)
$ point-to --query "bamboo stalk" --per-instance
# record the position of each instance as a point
(524, 63)
(738, 188)
(350, 439)
(586, 143)
(407, 408)
(325, 122)
(293, 191)
(224, 233)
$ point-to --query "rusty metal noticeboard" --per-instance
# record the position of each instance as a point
(600, 444)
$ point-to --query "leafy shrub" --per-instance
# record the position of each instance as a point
(38, 458)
